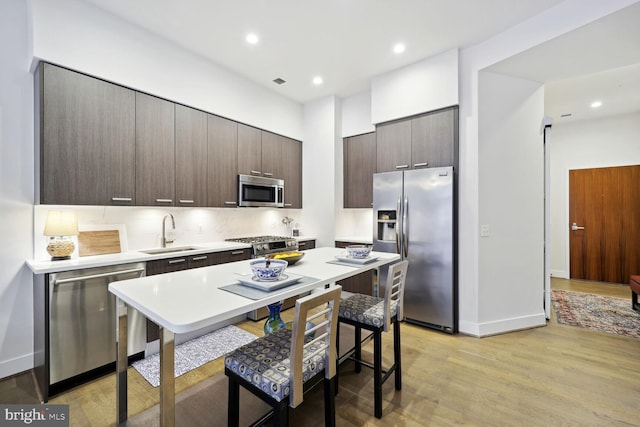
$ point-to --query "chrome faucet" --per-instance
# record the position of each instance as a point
(164, 239)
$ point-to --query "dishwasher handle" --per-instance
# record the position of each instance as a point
(96, 276)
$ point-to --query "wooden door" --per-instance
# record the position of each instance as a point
(606, 202)
(272, 155)
(433, 139)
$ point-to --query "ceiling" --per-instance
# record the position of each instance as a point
(347, 42)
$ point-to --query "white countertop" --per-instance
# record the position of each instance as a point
(188, 300)
(48, 266)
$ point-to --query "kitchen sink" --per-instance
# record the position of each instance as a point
(170, 250)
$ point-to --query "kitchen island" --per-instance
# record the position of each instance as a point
(188, 300)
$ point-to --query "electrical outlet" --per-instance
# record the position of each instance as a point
(199, 228)
(484, 230)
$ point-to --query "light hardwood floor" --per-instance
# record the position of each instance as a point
(547, 376)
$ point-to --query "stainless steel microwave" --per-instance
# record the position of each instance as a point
(258, 191)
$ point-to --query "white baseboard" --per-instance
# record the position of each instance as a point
(502, 326)
(561, 274)
(16, 365)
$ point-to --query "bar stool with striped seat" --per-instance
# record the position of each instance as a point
(280, 366)
(376, 315)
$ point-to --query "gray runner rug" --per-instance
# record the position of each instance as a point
(195, 353)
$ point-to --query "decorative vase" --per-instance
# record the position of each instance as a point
(274, 322)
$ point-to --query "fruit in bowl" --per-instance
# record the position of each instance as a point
(358, 251)
(290, 257)
(268, 269)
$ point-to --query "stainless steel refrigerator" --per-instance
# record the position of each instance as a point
(415, 215)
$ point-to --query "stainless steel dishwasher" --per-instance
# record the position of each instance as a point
(82, 320)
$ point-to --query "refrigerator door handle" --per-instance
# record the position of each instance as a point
(398, 207)
(405, 236)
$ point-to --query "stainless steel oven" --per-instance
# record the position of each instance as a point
(258, 191)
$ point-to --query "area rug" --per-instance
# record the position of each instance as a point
(599, 313)
(195, 353)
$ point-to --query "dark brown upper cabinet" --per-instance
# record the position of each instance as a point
(249, 150)
(86, 139)
(155, 151)
(424, 141)
(359, 165)
(272, 166)
(434, 139)
(393, 146)
(191, 157)
(292, 172)
(222, 137)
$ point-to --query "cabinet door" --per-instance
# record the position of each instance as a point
(155, 151)
(167, 265)
(304, 245)
(272, 150)
(87, 139)
(393, 146)
(235, 255)
(292, 173)
(191, 157)
(359, 166)
(249, 150)
(204, 260)
(222, 136)
(433, 138)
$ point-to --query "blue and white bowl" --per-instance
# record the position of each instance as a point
(272, 272)
(358, 251)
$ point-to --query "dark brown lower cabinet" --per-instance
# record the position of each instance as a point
(169, 265)
(360, 284)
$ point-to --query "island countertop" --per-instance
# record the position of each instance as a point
(188, 300)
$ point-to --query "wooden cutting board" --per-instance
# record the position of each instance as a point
(98, 242)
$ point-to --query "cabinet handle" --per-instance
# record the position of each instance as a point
(177, 261)
(420, 165)
(267, 174)
(237, 252)
(185, 201)
(164, 200)
(230, 203)
(256, 172)
(121, 199)
(402, 166)
(199, 258)
(287, 204)
(302, 243)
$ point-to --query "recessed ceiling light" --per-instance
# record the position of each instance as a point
(596, 104)
(317, 80)
(399, 48)
(252, 38)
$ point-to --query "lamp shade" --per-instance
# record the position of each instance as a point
(61, 223)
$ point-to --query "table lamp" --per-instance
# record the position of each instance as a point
(59, 227)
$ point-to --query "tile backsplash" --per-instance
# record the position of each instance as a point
(143, 225)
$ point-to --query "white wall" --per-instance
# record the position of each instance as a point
(427, 85)
(511, 197)
(319, 188)
(82, 37)
(611, 141)
(551, 23)
(16, 189)
(356, 115)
